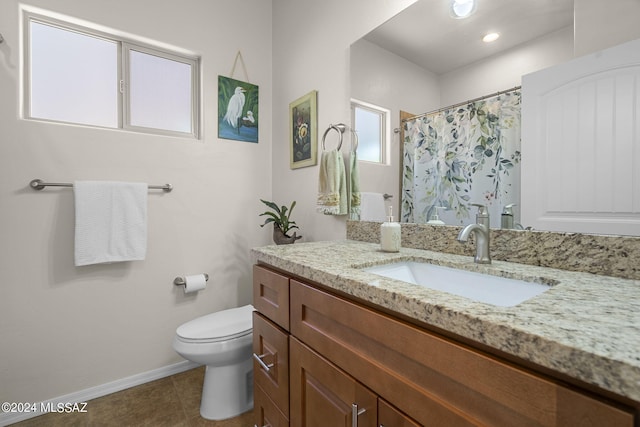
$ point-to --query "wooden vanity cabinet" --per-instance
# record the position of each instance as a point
(388, 416)
(271, 295)
(265, 412)
(343, 353)
(271, 361)
(270, 348)
(293, 385)
(324, 395)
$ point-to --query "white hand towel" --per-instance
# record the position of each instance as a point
(111, 221)
(372, 207)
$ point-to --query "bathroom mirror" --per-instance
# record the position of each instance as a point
(423, 60)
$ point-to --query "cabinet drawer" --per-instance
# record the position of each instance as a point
(271, 346)
(265, 412)
(434, 380)
(271, 295)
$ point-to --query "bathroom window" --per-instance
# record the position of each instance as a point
(371, 124)
(77, 75)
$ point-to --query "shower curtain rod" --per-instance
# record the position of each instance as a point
(462, 103)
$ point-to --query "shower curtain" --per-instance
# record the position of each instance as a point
(463, 155)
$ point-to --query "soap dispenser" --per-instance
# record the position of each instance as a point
(390, 234)
(435, 219)
(506, 219)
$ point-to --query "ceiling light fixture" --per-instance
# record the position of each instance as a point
(491, 37)
(462, 8)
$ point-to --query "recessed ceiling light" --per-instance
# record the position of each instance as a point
(462, 8)
(491, 37)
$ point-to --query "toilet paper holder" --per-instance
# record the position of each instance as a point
(179, 281)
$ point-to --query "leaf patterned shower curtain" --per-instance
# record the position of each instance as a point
(464, 155)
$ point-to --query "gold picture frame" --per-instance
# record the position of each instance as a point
(303, 131)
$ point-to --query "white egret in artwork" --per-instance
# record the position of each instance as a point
(234, 107)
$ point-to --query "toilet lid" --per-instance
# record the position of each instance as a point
(222, 324)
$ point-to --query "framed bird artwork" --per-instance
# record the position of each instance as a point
(237, 110)
(303, 131)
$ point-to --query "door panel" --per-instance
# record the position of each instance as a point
(580, 136)
(322, 395)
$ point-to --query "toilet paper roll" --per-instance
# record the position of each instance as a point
(194, 283)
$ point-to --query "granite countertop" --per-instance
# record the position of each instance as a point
(586, 326)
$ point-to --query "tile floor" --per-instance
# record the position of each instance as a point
(172, 402)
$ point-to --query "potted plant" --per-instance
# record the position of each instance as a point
(282, 225)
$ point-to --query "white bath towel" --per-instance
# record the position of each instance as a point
(111, 221)
(372, 207)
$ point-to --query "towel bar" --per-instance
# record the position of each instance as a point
(38, 184)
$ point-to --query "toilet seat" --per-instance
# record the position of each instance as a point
(220, 326)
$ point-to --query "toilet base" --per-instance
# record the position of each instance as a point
(227, 390)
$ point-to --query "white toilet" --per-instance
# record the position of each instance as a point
(222, 341)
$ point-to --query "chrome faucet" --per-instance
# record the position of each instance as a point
(481, 230)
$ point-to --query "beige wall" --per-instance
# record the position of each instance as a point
(385, 79)
(64, 329)
(505, 70)
(602, 24)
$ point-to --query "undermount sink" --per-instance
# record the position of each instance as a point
(481, 287)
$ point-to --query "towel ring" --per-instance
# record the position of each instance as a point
(338, 128)
(354, 146)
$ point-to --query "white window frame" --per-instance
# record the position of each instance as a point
(125, 44)
(385, 126)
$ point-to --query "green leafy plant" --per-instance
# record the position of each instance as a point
(280, 216)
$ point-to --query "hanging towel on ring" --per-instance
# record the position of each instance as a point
(332, 184)
(111, 221)
(355, 199)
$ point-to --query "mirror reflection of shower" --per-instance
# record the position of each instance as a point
(416, 62)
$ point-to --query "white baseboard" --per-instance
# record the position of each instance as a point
(7, 418)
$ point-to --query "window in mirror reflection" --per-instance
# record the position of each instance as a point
(371, 124)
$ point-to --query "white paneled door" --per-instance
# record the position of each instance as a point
(581, 144)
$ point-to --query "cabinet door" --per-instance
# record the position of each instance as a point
(388, 416)
(271, 371)
(265, 412)
(322, 395)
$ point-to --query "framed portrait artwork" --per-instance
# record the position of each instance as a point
(303, 131)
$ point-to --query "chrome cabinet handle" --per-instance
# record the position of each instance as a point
(355, 413)
(266, 367)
